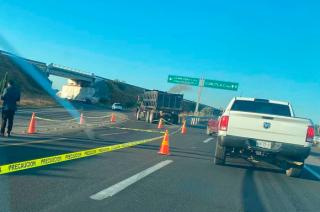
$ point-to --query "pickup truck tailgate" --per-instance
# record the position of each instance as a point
(268, 127)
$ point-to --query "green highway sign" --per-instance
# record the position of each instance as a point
(232, 86)
(203, 82)
(183, 80)
(221, 85)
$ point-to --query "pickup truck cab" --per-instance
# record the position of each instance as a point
(267, 130)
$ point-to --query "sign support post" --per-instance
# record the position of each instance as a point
(201, 83)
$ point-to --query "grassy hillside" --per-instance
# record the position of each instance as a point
(31, 93)
(123, 93)
(28, 86)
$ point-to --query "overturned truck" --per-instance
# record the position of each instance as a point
(154, 105)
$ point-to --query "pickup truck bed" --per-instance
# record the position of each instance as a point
(264, 130)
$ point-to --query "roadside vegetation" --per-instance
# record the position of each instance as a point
(31, 93)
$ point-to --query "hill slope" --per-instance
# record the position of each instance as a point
(31, 92)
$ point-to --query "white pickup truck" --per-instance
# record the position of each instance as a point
(261, 129)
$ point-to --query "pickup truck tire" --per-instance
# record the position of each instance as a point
(151, 117)
(138, 115)
(294, 171)
(220, 155)
(175, 119)
(147, 116)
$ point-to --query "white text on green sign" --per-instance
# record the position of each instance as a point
(183, 80)
(221, 85)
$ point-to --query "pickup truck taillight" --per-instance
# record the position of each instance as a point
(223, 124)
(310, 134)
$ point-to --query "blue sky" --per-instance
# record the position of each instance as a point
(270, 47)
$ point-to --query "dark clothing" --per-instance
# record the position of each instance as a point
(7, 116)
(10, 97)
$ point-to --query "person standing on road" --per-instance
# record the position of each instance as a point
(10, 97)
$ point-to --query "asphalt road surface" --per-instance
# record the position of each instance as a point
(139, 179)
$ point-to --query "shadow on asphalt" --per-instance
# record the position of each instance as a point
(47, 171)
(25, 138)
(250, 195)
(254, 168)
(190, 157)
(305, 174)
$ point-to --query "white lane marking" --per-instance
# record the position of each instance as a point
(115, 133)
(207, 140)
(109, 192)
(311, 171)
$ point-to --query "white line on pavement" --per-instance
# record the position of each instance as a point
(207, 140)
(313, 172)
(109, 192)
(114, 133)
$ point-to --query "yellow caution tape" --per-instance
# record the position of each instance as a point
(19, 166)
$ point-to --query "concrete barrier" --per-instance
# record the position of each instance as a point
(197, 121)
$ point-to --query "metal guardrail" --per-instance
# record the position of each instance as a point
(197, 121)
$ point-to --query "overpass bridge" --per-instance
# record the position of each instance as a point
(71, 73)
(80, 84)
(59, 70)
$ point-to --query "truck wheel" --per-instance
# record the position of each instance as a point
(138, 115)
(294, 171)
(220, 154)
(175, 119)
(151, 117)
(147, 116)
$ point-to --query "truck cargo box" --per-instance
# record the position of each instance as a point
(158, 100)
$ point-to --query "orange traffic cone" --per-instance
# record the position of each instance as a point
(81, 122)
(32, 124)
(164, 148)
(160, 125)
(113, 118)
(184, 128)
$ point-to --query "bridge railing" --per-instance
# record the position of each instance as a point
(52, 65)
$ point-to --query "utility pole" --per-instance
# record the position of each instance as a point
(201, 84)
(3, 83)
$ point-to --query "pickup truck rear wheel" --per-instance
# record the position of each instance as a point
(220, 155)
(294, 171)
(151, 117)
(138, 115)
(147, 116)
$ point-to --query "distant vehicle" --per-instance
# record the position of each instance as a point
(213, 126)
(158, 104)
(116, 106)
(262, 129)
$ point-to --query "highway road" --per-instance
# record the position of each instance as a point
(139, 179)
